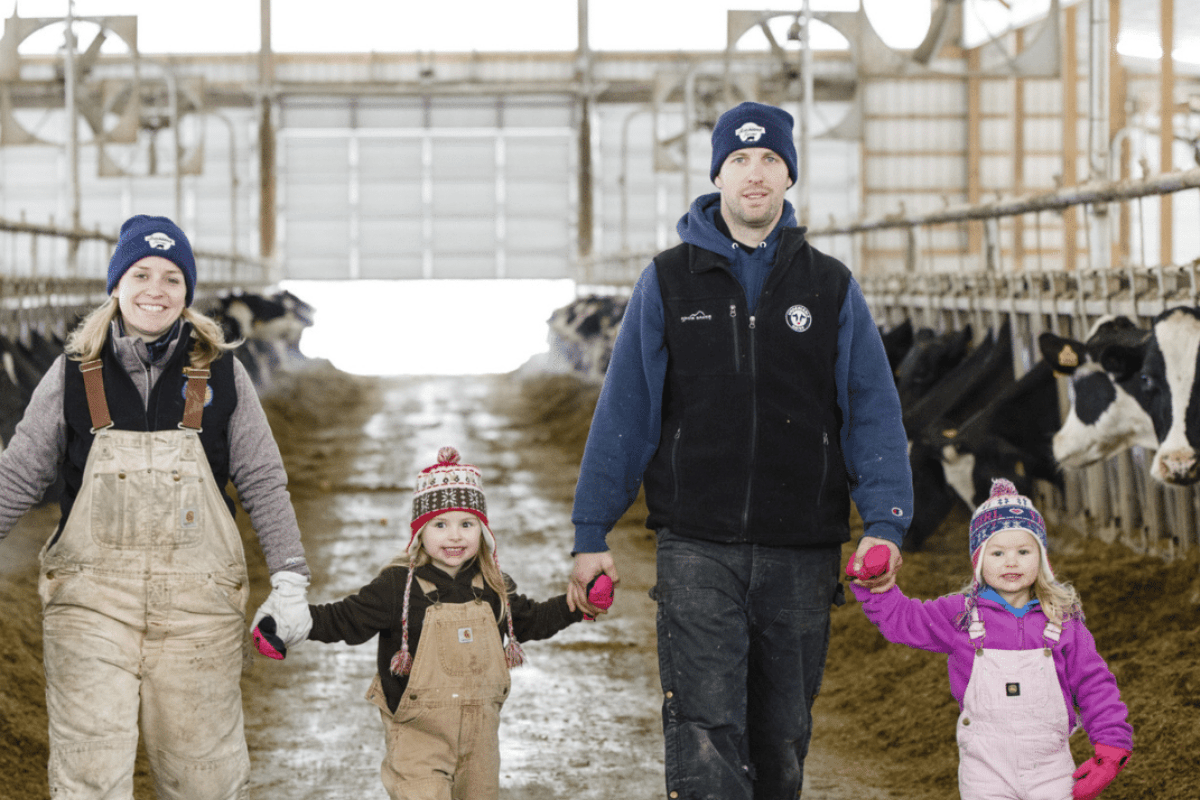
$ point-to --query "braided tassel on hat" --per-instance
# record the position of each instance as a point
(402, 662)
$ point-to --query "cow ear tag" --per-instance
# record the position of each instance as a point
(1067, 357)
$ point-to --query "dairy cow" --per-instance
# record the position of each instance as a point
(928, 359)
(1166, 373)
(1106, 415)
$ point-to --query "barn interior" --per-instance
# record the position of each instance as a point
(428, 237)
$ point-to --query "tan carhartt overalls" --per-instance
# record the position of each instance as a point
(143, 597)
(443, 741)
(1013, 730)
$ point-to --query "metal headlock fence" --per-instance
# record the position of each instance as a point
(49, 276)
(1117, 499)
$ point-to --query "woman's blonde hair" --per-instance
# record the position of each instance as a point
(86, 341)
(492, 575)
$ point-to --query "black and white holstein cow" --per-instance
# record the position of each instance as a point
(1166, 371)
(1106, 415)
(930, 356)
(271, 327)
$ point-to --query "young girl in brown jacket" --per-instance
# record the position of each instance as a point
(442, 611)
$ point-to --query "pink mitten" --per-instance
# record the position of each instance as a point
(267, 642)
(873, 564)
(600, 593)
(1095, 774)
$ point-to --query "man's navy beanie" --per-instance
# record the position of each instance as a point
(143, 236)
(753, 125)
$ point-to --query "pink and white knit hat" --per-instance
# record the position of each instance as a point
(1004, 509)
(450, 486)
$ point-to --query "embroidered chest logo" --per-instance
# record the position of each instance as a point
(465, 636)
(798, 318)
(696, 316)
(750, 132)
(160, 241)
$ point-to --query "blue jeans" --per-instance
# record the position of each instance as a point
(743, 631)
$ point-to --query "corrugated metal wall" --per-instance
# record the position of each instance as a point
(437, 188)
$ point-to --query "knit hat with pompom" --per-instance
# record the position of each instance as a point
(450, 486)
(1004, 509)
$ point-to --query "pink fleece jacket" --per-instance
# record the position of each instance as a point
(1086, 681)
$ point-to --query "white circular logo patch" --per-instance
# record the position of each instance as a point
(799, 318)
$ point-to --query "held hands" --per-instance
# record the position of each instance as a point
(874, 564)
(600, 593)
(287, 604)
(588, 567)
(1095, 774)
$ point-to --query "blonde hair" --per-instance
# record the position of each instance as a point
(1059, 601)
(490, 570)
(86, 341)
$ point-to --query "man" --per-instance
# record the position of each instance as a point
(750, 392)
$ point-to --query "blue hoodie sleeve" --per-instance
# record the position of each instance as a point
(627, 421)
(873, 438)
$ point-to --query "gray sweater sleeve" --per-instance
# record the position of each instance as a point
(256, 469)
(30, 461)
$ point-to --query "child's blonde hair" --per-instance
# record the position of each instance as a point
(488, 567)
(1059, 601)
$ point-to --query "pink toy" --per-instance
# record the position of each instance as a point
(872, 565)
(267, 642)
(600, 593)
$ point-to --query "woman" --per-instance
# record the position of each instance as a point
(144, 583)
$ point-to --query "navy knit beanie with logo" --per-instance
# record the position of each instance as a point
(143, 236)
(753, 125)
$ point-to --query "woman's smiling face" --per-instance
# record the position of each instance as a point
(151, 296)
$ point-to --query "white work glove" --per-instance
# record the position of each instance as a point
(288, 605)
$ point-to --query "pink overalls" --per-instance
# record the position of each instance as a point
(443, 741)
(1013, 729)
(143, 597)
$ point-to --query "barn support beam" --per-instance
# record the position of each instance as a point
(1166, 116)
(1092, 192)
(1070, 131)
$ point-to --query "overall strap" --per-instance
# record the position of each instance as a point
(93, 384)
(194, 396)
(976, 631)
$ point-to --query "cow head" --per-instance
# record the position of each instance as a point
(1165, 372)
(1106, 416)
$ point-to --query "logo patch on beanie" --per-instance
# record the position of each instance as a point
(160, 241)
(799, 318)
(750, 132)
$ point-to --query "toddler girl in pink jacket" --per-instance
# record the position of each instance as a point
(1021, 662)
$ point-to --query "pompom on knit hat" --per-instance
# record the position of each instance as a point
(448, 486)
(143, 236)
(753, 125)
(1004, 509)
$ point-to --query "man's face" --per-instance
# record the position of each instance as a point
(753, 181)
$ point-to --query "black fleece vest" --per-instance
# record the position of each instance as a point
(750, 448)
(164, 411)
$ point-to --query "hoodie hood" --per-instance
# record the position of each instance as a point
(699, 227)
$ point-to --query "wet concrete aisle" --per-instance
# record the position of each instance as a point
(583, 717)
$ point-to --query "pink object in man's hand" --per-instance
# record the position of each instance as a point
(600, 593)
(873, 564)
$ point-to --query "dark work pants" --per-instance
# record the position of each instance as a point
(743, 631)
